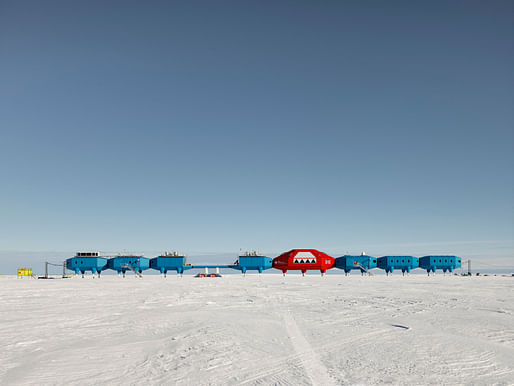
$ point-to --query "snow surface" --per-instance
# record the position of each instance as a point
(258, 330)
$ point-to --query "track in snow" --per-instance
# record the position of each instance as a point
(316, 370)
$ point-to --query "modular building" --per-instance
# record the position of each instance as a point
(392, 263)
(446, 263)
(362, 263)
(252, 261)
(122, 264)
(303, 260)
(170, 262)
(87, 261)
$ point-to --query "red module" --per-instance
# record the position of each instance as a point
(303, 260)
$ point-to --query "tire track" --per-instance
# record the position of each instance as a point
(278, 364)
(316, 370)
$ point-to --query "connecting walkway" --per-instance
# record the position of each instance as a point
(196, 266)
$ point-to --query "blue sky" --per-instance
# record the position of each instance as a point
(207, 127)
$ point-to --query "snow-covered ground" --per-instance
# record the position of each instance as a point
(258, 330)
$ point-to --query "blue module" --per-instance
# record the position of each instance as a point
(86, 261)
(363, 263)
(122, 264)
(446, 263)
(404, 263)
(170, 262)
(252, 261)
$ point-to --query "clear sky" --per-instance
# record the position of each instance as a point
(206, 127)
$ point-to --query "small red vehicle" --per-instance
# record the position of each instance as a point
(303, 260)
(208, 275)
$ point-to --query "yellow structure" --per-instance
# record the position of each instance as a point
(24, 272)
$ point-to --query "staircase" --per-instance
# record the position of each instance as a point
(359, 265)
(127, 266)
